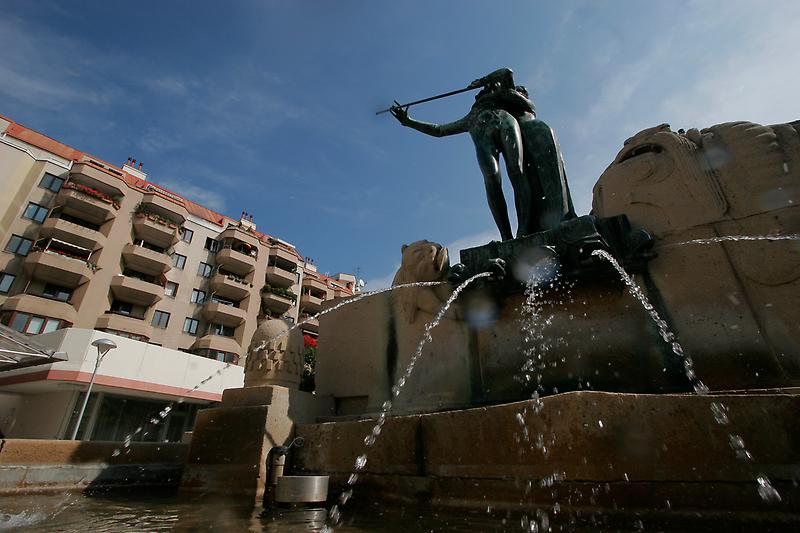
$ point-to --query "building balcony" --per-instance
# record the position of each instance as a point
(168, 209)
(71, 232)
(309, 324)
(58, 269)
(218, 343)
(128, 324)
(38, 305)
(315, 285)
(311, 304)
(155, 229)
(340, 294)
(90, 173)
(135, 291)
(145, 260)
(229, 287)
(279, 255)
(276, 303)
(239, 234)
(220, 313)
(237, 262)
(279, 277)
(95, 207)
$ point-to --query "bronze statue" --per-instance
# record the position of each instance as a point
(503, 121)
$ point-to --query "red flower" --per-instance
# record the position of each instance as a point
(309, 341)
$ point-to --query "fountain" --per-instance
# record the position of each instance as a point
(637, 367)
(686, 405)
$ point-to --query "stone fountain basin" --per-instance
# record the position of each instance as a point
(301, 489)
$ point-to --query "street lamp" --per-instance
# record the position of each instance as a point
(103, 347)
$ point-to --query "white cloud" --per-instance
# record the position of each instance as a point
(201, 195)
(37, 68)
(754, 81)
(718, 63)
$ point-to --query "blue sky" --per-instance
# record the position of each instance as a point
(269, 106)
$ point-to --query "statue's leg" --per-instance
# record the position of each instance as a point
(489, 161)
(511, 140)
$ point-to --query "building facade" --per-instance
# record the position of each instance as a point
(138, 386)
(89, 245)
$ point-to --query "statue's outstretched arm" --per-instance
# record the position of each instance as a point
(435, 130)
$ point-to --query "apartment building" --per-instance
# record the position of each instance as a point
(89, 245)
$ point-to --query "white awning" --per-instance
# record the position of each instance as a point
(18, 350)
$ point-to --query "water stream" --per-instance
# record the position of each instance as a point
(534, 350)
(767, 492)
(544, 278)
(126, 442)
(738, 238)
(334, 514)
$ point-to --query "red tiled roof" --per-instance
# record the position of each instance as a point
(18, 131)
(44, 142)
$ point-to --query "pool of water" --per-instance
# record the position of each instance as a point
(151, 512)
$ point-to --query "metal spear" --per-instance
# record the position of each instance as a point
(451, 93)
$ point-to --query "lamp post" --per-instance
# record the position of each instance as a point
(103, 347)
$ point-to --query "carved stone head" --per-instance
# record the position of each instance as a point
(422, 261)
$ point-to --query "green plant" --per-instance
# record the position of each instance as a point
(145, 210)
(307, 382)
(279, 291)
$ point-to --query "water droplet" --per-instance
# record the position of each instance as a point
(344, 496)
(361, 462)
(334, 515)
(767, 492)
(720, 412)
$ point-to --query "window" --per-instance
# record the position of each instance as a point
(190, 325)
(35, 212)
(121, 308)
(57, 292)
(205, 270)
(171, 289)
(198, 296)
(52, 183)
(19, 245)
(126, 334)
(225, 357)
(186, 235)
(221, 330)
(34, 324)
(211, 245)
(6, 281)
(178, 261)
(160, 319)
